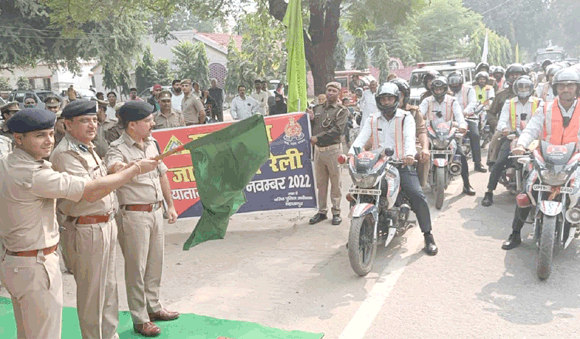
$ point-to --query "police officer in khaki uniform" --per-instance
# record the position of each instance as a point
(8, 110)
(90, 231)
(191, 105)
(52, 103)
(328, 124)
(104, 123)
(166, 116)
(29, 265)
(140, 218)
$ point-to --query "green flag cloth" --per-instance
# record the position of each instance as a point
(224, 162)
(296, 64)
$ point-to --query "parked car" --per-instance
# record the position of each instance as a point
(146, 94)
(21, 95)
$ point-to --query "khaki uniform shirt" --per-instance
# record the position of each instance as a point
(114, 132)
(4, 132)
(100, 142)
(191, 107)
(329, 123)
(27, 201)
(80, 160)
(144, 188)
(172, 120)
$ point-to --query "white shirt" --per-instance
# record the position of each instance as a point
(262, 99)
(368, 105)
(442, 107)
(243, 108)
(471, 100)
(535, 126)
(176, 101)
(540, 90)
(387, 133)
(111, 113)
(504, 118)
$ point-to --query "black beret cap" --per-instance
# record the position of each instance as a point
(31, 119)
(135, 110)
(79, 107)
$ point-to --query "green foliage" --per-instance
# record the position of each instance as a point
(200, 65)
(145, 73)
(499, 52)
(164, 73)
(402, 41)
(5, 84)
(22, 83)
(181, 20)
(381, 61)
(184, 55)
(116, 78)
(340, 54)
(233, 65)
(361, 53)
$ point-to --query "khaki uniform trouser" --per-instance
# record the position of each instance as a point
(65, 240)
(141, 238)
(326, 167)
(423, 172)
(35, 285)
(494, 146)
(92, 251)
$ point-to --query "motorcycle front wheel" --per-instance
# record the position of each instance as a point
(546, 247)
(362, 247)
(439, 187)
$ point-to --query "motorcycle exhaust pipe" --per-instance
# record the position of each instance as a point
(573, 215)
(455, 168)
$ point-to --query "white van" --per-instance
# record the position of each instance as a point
(445, 68)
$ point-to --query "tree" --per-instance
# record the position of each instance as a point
(340, 54)
(164, 74)
(321, 36)
(500, 51)
(233, 65)
(22, 83)
(184, 58)
(381, 61)
(145, 73)
(5, 84)
(182, 19)
(361, 53)
(200, 65)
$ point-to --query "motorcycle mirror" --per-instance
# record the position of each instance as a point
(389, 152)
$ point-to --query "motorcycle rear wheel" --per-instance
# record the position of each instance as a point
(362, 248)
(546, 247)
(439, 187)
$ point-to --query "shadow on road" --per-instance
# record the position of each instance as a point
(538, 302)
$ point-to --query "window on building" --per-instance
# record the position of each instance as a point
(46, 84)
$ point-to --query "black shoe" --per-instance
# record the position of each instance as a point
(336, 219)
(513, 241)
(487, 199)
(479, 168)
(317, 218)
(430, 247)
(468, 190)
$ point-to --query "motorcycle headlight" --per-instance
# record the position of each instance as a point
(440, 143)
(366, 180)
(553, 178)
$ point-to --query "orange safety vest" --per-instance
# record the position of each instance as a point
(513, 117)
(448, 108)
(399, 137)
(554, 130)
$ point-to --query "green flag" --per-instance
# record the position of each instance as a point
(224, 162)
(296, 66)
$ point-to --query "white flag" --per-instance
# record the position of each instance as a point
(485, 49)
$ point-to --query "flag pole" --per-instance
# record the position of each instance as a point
(168, 153)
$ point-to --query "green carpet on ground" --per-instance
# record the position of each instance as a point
(187, 326)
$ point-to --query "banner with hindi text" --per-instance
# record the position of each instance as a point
(285, 181)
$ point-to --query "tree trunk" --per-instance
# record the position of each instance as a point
(320, 40)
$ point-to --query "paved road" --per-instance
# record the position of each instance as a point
(275, 269)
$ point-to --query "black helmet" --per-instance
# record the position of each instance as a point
(387, 89)
(482, 65)
(404, 88)
(514, 68)
(429, 74)
(440, 82)
(455, 80)
(551, 70)
(546, 63)
(523, 87)
(566, 76)
(499, 69)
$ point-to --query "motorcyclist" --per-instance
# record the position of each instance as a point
(498, 73)
(513, 72)
(420, 129)
(465, 95)
(441, 108)
(557, 122)
(484, 67)
(515, 110)
(394, 128)
(544, 89)
(484, 93)
(428, 78)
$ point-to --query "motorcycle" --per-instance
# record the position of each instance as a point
(553, 187)
(484, 129)
(445, 161)
(378, 211)
(512, 177)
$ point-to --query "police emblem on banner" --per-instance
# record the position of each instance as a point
(293, 132)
